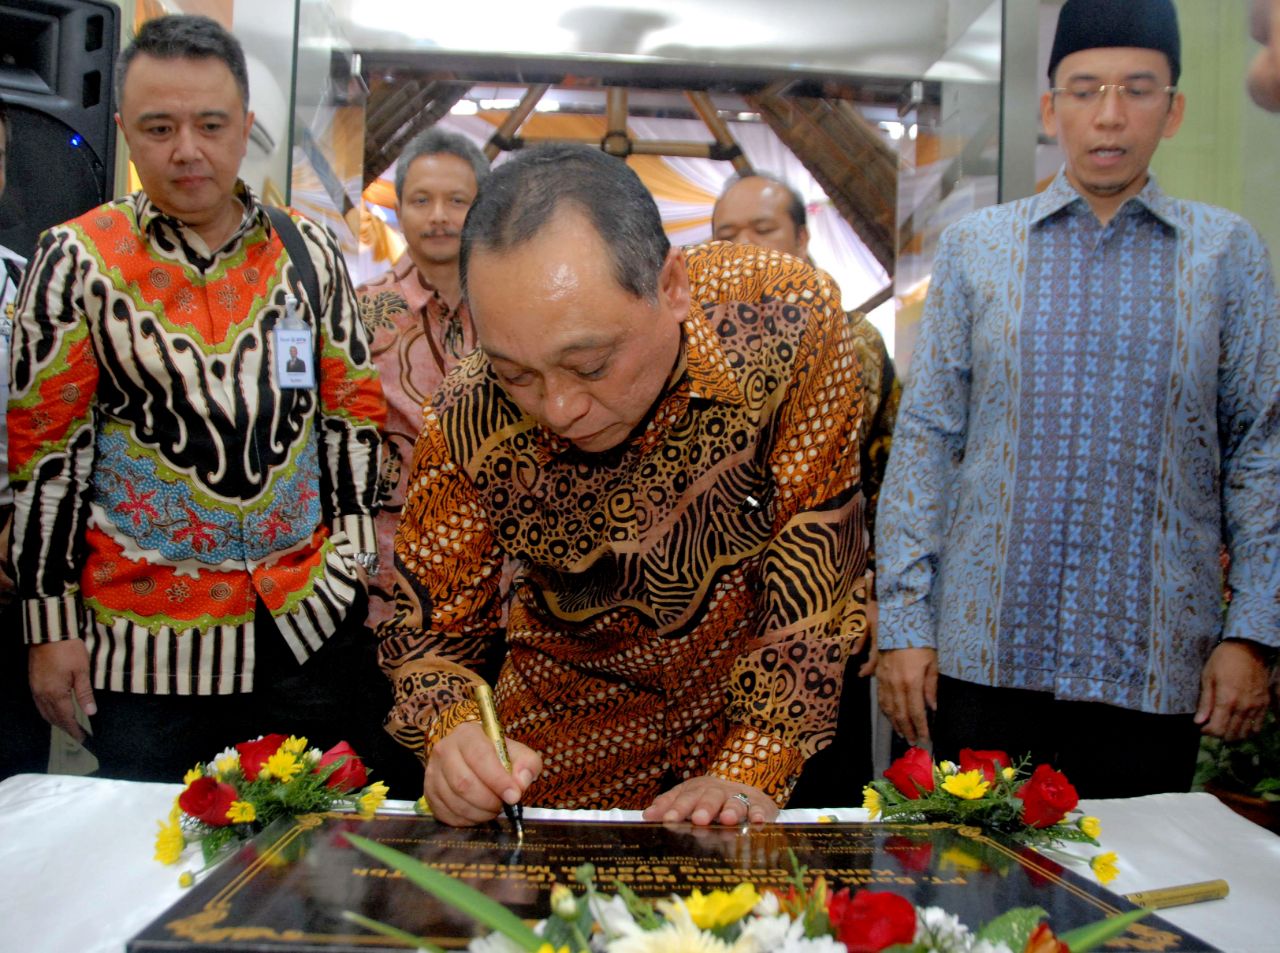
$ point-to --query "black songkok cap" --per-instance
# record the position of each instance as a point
(1088, 24)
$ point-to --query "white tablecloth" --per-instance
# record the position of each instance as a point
(77, 874)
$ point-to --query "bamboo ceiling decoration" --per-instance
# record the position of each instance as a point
(844, 152)
(848, 158)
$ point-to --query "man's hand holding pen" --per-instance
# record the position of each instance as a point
(466, 783)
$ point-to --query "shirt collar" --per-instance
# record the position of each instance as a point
(404, 267)
(1061, 194)
(148, 214)
(710, 376)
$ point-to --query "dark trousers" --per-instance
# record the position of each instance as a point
(24, 735)
(835, 775)
(1103, 750)
(338, 695)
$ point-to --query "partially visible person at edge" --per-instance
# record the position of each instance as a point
(761, 209)
(418, 323)
(667, 445)
(26, 736)
(1264, 72)
(1091, 414)
(189, 530)
(1264, 87)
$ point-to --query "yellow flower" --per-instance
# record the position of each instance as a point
(871, 801)
(372, 799)
(948, 767)
(169, 840)
(548, 948)
(967, 785)
(818, 892)
(1008, 773)
(193, 774)
(283, 765)
(1090, 825)
(226, 764)
(186, 879)
(294, 745)
(960, 859)
(1104, 867)
(241, 812)
(719, 909)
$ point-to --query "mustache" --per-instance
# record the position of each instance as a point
(441, 233)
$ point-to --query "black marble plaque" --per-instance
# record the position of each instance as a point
(287, 889)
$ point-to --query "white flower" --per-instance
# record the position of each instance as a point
(771, 932)
(941, 932)
(781, 934)
(678, 935)
(493, 943)
(986, 946)
(817, 944)
(613, 916)
(673, 939)
(768, 905)
(936, 923)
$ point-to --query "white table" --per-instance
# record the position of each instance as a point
(77, 874)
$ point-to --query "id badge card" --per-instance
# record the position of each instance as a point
(295, 354)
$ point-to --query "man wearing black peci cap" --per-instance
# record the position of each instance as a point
(1091, 417)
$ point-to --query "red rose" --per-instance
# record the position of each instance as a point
(208, 800)
(1046, 797)
(254, 754)
(350, 774)
(912, 855)
(988, 762)
(871, 920)
(912, 773)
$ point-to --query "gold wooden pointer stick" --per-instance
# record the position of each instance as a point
(1163, 897)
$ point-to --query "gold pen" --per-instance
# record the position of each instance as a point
(493, 729)
(1162, 897)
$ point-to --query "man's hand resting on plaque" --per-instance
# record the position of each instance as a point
(466, 784)
(709, 800)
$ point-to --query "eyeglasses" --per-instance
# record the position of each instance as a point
(1139, 95)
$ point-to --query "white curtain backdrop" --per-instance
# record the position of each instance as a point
(833, 245)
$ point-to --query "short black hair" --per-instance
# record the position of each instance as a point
(795, 207)
(435, 142)
(522, 195)
(181, 36)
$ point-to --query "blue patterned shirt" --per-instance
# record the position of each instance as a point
(1093, 411)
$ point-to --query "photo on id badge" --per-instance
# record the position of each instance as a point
(295, 366)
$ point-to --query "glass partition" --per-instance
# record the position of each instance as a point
(886, 117)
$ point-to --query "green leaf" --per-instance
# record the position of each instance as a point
(1013, 927)
(396, 934)
(453, 892)
(641, 910)
(1094, 934)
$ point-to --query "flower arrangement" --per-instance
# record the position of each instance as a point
(1245, 774)
(807, 918)
(1250, 765)
(246, 787)
(988, 789)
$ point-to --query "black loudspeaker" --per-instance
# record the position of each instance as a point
(56, 62)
